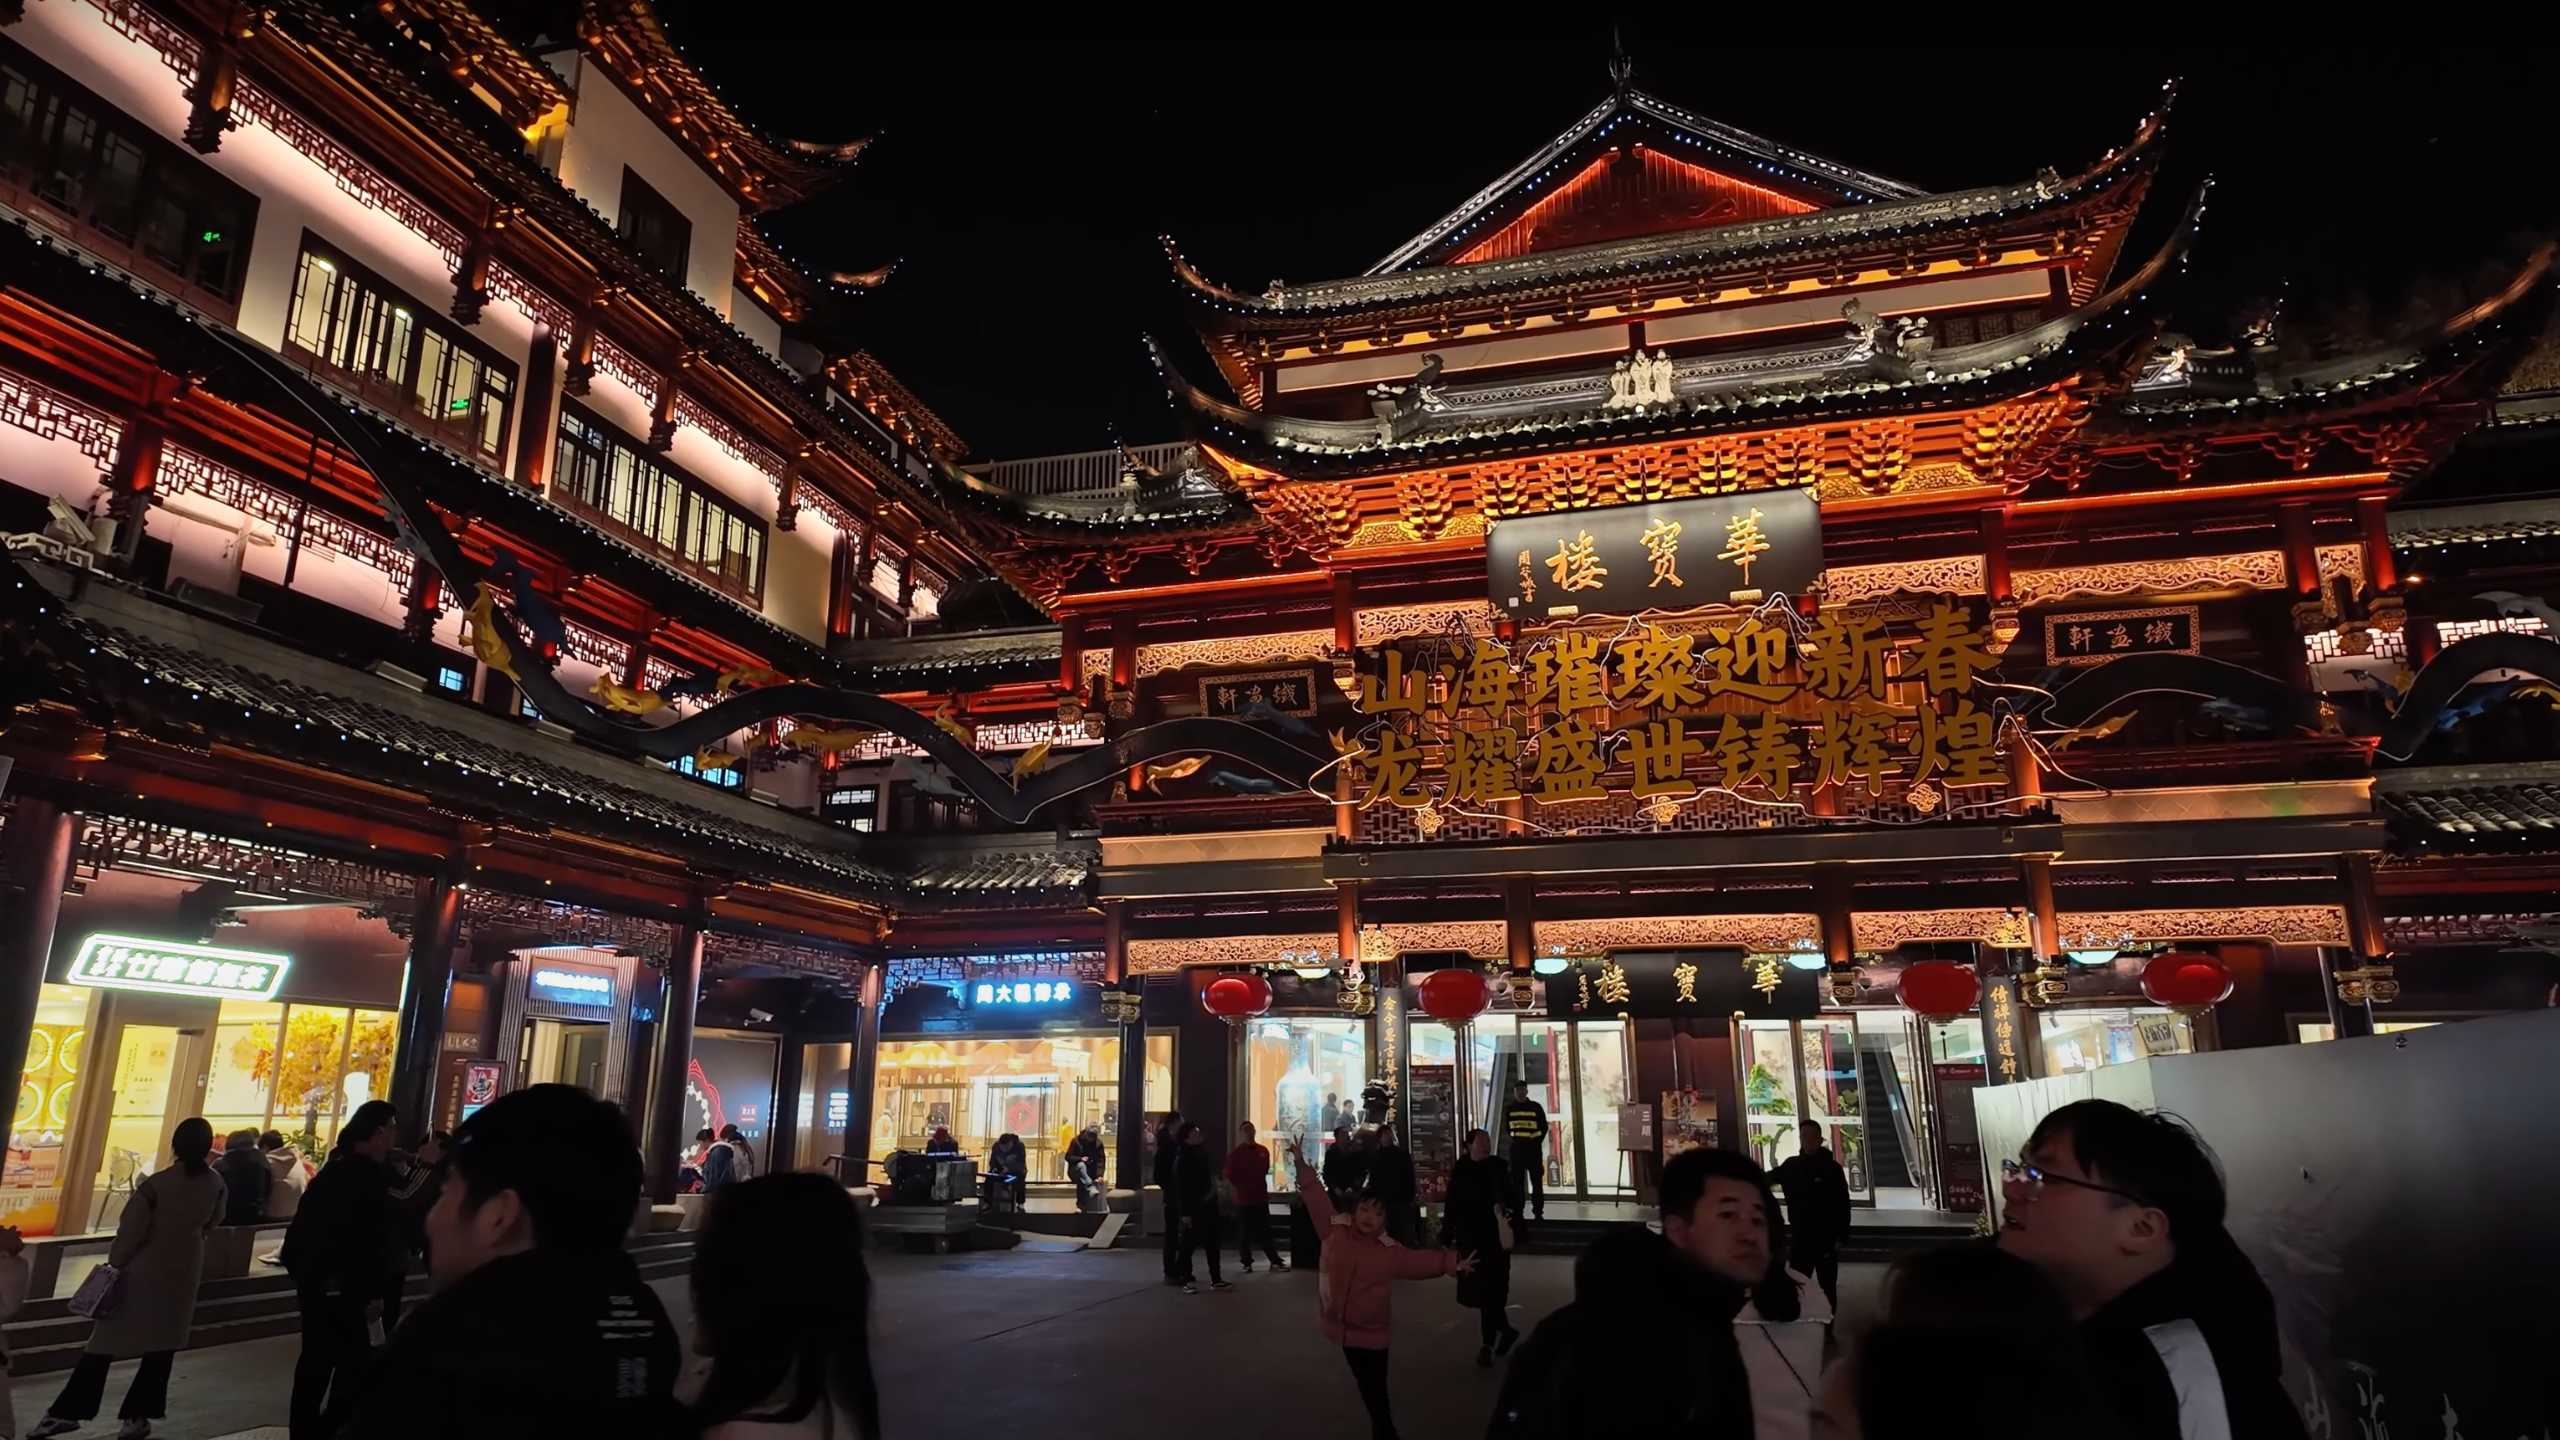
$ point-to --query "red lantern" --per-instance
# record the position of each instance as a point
(2187, 981)
(1237, 998)
(1940, 990)
(1453, 997)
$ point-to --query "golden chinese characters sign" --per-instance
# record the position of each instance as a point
(1665, 984)
(1669, 555)
(1756, 704)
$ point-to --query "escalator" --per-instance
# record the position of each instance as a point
(1888, 1161)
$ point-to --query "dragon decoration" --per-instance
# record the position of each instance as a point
(2085, 708)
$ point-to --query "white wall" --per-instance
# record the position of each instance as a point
(757, 324)
(607, 131)
(294, 193)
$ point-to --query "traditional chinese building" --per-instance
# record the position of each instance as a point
(1714, 579)
(411, 439)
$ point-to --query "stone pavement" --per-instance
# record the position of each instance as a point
(1013, 1342)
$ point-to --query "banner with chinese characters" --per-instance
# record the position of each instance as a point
(2095, 639)
(1248, 697)
(1667, 712)
(1668, 555)
(1669, 984)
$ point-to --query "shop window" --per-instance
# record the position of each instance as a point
(373, 338)
(1042, 1088)
(654, 228)
(605, 476)
(1159, 1073)
(299, 1069)
(448, 678)
(31, 1175)
(76, 161)
(1603, 1082)
(1303, 1077)
(2080, 1039)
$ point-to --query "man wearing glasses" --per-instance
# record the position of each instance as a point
(2123, 1211)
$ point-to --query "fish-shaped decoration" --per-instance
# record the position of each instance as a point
(1028, 762)
(623, 699)
(1173, 770)
(712, 762)
(949, 724)
(822, 741)
(748, 676)
(485, 640)
(2099, 731)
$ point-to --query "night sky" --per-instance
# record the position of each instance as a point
(1022, 175)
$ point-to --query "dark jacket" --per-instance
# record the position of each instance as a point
(530, 1345)
(1168, 1148)
(1195, 1180)
(1524, 1122)
(1087, 1148)
(1646, 1351)
(344, 1237)
(1391, 1175)
(1008, 1159)
(1817, 1197)
(1479, 1191)
(1346, 1166)
(245, 1178)
(719, 1167)
(2200, 1331)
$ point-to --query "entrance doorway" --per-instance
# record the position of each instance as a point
(140, 1105)
(562, 1052)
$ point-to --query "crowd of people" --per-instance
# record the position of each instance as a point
(2111, 1303)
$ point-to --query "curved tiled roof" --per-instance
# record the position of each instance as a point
(1678, 254)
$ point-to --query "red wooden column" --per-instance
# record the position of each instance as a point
(432, 933)
(134, 473)
(538, 411)
(675, 1055)
(35, 855)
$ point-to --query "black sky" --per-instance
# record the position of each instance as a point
(1022, 174)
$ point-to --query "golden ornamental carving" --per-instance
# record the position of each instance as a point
(2252, 570)
(1915, 480)
(1166, 656)
(1397, 622)
(1947, 575)
(1164, 957)
(1763, 933)
(2281, 924)
(1885, 929)
(1194, 555)
(1485, 939)
(1117, 562)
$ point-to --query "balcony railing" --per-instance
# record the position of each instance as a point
(1088, 472)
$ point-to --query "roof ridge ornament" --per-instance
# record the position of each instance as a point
(1622, 67)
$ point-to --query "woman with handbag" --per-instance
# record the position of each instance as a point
(158, 1258)
(1477, 1220)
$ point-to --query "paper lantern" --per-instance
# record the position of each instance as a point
(1237, 998)
(1453, 997)
(1940, 990)
(2187, 981)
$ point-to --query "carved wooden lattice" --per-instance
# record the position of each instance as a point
(52, 415)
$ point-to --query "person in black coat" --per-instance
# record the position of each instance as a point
(1647, 1347)
(1084, 1162)
(1817, 1210)
(245, 1178)
(1168, 1139)
(1479, 1200)
(1009, 1165)
(1346, 1162)
(1391, 1179)
(1195, 1181)
(344, 1253)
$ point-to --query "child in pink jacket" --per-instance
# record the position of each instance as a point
(1355, 1291)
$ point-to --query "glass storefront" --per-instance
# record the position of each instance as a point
(1579, 1070)
(1303, 1076)
(2078, 1039)
(1817, 1070)
(32, 1176)
(300, 1069)
(1043, 1088)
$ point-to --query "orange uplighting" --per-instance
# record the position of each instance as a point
(1628, 193)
